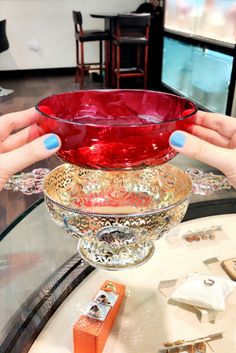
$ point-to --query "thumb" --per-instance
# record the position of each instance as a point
(194, 147)
(20, 158)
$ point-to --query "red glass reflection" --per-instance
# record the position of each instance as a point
(115, 129)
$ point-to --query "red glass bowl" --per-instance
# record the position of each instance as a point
(115, 129)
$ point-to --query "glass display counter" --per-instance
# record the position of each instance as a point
(199, 59)
(45, 286)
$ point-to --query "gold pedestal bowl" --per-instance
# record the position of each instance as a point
(117, 215)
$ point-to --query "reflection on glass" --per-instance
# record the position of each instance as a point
(177, 62)
(191, 71)
(29, 255)
(210, 78)
(178, 15)
(215, 19)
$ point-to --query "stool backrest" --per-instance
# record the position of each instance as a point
(4, 44)
(133, 20)
(78, 21)
(133, 25)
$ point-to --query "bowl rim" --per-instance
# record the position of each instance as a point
(119, 215)
(194, 104)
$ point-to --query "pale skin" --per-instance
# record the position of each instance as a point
(21, 143)
(213, 141)
(154, 2)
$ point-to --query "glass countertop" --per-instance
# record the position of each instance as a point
(41, 271)
(29, 254)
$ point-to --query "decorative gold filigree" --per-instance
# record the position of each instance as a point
(117, 214)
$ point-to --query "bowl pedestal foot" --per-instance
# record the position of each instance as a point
(108, 257)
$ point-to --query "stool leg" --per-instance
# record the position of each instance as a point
(118, 67)
(77, 63)
(82, 65)
(138, 57)
(100, 57)
(107, 64)
(113, 65)
(145, 66)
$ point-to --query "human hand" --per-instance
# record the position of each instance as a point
(214, 142)
(21, 143)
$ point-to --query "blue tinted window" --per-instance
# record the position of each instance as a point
(198, 73)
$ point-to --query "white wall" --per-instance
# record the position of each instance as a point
(48, 24)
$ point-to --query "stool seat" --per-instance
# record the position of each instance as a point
(92, 35)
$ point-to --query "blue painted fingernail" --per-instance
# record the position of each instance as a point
(177, 139)
(51, 142)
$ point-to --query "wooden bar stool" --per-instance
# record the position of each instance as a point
(82, 36)
(132, 30)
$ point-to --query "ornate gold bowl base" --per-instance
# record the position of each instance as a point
(117, 215)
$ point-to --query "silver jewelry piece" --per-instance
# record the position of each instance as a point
(209, 282)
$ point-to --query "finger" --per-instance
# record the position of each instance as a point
(15, 121)
(224, 125)
(14, 161)
(193, 147)
(210, 136)
(21, 138)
